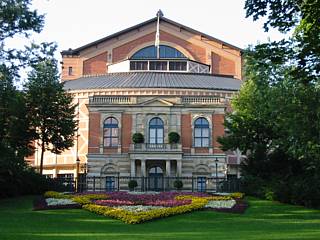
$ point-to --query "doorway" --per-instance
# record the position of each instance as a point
(155, 179)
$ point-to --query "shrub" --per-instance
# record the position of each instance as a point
(178, 184)
(174, 137)
(132, 184)
(137, 138)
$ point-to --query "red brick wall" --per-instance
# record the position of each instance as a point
(94, 132)
(186, 132)
(201, 150)
(218, 130)
(222, 65)
(109, 150)
(75, 63)
(121, 52)
(126, 132)
(95, 65)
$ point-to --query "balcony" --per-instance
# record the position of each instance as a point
(152, 147)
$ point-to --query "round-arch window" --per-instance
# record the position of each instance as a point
(150, 52)
(155, 170)
(201, 132)
(156, 131)
(110, 132)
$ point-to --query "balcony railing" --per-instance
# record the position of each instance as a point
(154, 147)
(203, 100)
(111, 100)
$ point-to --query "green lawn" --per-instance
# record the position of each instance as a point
(263, 220)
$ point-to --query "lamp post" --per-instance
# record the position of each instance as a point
(77, 172)
(216, 161)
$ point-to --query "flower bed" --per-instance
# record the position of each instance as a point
(138, 208)
(40, 203)
(57, 201)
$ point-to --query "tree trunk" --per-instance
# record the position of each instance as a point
(41, 159)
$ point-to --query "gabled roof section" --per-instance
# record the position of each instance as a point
(181, 26)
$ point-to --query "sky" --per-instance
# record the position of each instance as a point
(73, 23)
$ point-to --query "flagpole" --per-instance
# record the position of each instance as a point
(157, 40)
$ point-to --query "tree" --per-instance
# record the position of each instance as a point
(50, 108)
(16, 177)
(16, 18)
(276, 118)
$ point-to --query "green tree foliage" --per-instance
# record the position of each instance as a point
(50, 108)
(16, 132)
(276, 118)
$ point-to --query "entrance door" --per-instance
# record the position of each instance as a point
(110, 183)
(201, 184)
(155, 182)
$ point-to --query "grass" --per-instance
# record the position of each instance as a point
(263, 220)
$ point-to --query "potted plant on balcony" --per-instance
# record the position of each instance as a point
(137, 138)
(132, 184)
(178, 184)
(174, 137)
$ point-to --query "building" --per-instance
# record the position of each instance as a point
(154, 78)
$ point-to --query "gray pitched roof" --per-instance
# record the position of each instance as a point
(154, 80)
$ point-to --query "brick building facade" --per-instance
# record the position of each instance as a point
(123, 86)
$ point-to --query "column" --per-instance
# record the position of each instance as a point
(168, 168)
(55, 172)
(133, 168)
(179, 168)
(143, 168)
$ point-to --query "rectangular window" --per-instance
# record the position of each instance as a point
(138, 65)
(197, 132)
(205, 142)
(70, 71)
(205, 132)
(158, 65)
(177, 66)
(197, 142)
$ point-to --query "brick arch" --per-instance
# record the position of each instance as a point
(123, 52)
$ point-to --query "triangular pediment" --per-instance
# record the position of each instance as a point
(157, 102)
(151, 22)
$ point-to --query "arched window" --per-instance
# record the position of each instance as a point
(110, 132)
(150, 52)
(201, 132)
(156, 131)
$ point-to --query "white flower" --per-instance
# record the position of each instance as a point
(139, 208)
(221, 204)
(58, 201)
